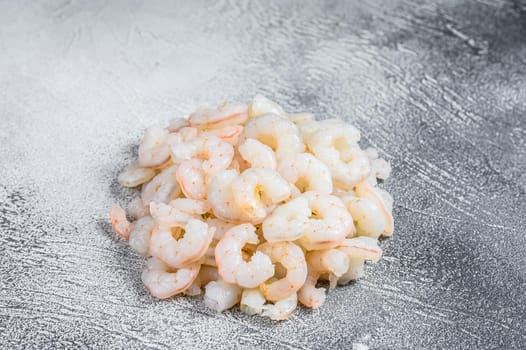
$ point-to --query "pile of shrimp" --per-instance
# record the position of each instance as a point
(254, 206)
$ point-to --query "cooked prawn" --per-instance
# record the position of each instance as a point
(189, 248)
(162, 188)
(307, 173)
(288, 221)
(332, 261)
(134, 175)
(163, 282)
(230, 263)
(281, 309)
(329, 224)
(192, 178)
(216, 154)
(153, 150)
(293, 260)
(178, 212)
(257, 154)
(278, 133)
(220, 295)
(119, 222)
(261, 105)
(139, 238)
(228, 113)
(381, 199)
(257, 191)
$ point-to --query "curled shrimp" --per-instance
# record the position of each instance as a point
(329, 224)
(216, 154)
(381, 199)
(221, 197)
(261, 105)
(278, 133)
(257, 154)
(281, 309)
(368, 218)
(220, 295)
(288, 221)
(153, 149)
(228, 113)
(230, 263)
(162, 188)
(134, 175)
(335, 144)
(358, 250)
(257, 191)
(307, 173)
(188, 249)
(192, 178)
(163, 282)
(139, 238)
(291, 257)
(119, 222)
(178, 212)
(332, 261)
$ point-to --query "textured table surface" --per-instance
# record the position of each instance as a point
(439, 87)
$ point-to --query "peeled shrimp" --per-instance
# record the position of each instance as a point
(228, 113)
(189, 248)
(164, 282)
(257, 191)
(119, 222)
(335, 144)
(288, 221)
(177, 123)
(332, 261)
(137, 209)
(358, 250)
(153, 150)
(192, 178)
(205, 276)
(293, 260)
(369, 219)
(230, 263)
(257, 154)
(216, 154)
(252, 301)
(178, 212)
(261, 105)
(139, 239)
(330, 223)
(281, 309)
(381, 199)
(221, 227)
(278, 133)
(307, 173)
(134, 175)
(162, 188)
(228, 134)
(182, 135)
(221, 197)
(220, 295)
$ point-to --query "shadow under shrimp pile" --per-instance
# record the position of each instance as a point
(255, 205)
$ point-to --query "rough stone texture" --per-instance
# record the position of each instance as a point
(439, 87)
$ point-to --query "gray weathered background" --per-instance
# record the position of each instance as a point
(439, 87)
